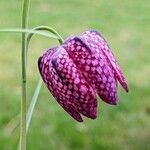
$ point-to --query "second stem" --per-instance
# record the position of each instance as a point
(23, 60)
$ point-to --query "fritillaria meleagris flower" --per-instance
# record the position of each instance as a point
(79, 70)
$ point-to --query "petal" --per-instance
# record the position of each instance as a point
(95, 38)
(67, 84)
(94, 66)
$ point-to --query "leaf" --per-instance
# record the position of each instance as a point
(32, 104)
(49, 35)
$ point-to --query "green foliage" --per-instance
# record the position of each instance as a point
(125, 24)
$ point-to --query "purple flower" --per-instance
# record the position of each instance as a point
(80, 69)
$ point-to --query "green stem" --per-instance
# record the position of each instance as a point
(46, 28)
(53, 34)
(23, 59)
(37, 90)
(13, 30)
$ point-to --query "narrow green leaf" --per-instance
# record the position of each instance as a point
(12, 125)
(14, 122)
(49, 35)
(32, 104)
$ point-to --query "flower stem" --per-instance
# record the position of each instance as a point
(17, 30)
(23, 60)
(37, 90)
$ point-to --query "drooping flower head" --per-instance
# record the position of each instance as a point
(81, 68)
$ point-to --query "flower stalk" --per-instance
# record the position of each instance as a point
(25, 120)
(26, 37)
(22, 145)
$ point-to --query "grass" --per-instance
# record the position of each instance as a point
(125, 24)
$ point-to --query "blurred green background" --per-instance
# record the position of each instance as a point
(126, 25)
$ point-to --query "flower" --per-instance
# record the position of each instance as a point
(79, 70)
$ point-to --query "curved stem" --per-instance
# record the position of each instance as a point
(37, 90)
(31, 32)
(46, 28)
(23, 60)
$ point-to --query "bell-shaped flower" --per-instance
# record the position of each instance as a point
(82, 67)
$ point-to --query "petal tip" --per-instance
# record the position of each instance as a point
(93, 114)
(78, 117)
(125, 87)
(79, 120)
(93, 117)
(113, 101)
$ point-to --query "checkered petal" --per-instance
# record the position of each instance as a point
(78, 70)
(94, 66)
(94, 38)
(67, 84)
